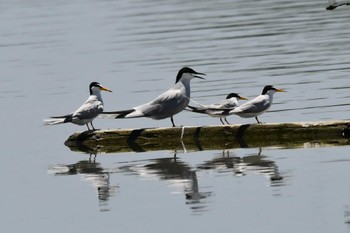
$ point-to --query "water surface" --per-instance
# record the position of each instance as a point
(51, 51)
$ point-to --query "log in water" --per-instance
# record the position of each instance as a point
(211, 137)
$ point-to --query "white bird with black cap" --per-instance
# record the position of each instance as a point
(167, 104)
(215, 110)
(258, 105)
(87, 112)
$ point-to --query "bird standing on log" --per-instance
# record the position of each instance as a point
(258, 105)
(215, 110)
(167, 104)
(87, 112)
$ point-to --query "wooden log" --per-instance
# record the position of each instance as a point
(211, 137)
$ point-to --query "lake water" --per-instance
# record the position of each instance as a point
(51, 50)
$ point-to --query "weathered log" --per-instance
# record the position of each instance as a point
(211, 137)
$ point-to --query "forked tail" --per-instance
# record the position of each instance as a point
(116, 114)
(58, 120)
(54, 121)
(195, 109)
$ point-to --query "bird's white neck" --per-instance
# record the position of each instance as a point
(97, 93)
(234, 100)
(185, 81)
(270, 95)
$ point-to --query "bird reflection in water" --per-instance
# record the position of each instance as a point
(193, 196)
(243, 165)
(177, 174)
(91, 171)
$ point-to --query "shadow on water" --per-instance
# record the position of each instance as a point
(175, 173)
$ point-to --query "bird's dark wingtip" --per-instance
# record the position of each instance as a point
(191, 107)
(64, 116)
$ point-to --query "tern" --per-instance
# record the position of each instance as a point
(215, 110)
(258, 105)
(87, 112)
(166, 104)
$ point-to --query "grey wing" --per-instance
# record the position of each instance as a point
(256, 105)
(90, 109)
(165, 105)
(213, 106)
(227, 104)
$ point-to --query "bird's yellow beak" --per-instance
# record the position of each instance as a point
(280, 90)
(242, 98)
(105, 89)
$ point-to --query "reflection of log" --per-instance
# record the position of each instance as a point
(210, 137)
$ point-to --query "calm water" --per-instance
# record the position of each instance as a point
(51, 50)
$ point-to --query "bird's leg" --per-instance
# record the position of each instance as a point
(256, 118)
(227, 121)
(88, 126)
(93, 128)
(172, 121)
(222, 121)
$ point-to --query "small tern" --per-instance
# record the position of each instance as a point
(166, 104)
(258, 105)
(87, 112)
(215, 110)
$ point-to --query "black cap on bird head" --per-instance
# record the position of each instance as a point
(94, 84)
(97, 84)
(187, 70)
(267, 88)
(231, 95)
(270, 87)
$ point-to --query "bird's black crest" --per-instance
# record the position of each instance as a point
(182, 71)
(93, 84)
(267, 88)
(231, 95)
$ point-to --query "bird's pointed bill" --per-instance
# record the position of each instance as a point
(280, 90)
(198, 73)
(196, 76)
(105, 89)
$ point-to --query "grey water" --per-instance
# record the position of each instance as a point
(51, 50)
